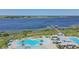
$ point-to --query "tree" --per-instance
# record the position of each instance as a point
(5, 34)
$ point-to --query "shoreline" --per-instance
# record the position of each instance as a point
(43, 16)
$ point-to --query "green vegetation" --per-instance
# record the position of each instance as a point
(37, 16)
(3, 43)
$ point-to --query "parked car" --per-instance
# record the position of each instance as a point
(66, 45)
(55, 39)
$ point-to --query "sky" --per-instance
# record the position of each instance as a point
(26, 12)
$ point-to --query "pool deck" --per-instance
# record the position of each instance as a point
(47, 44)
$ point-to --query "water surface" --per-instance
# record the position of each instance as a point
(35, 23)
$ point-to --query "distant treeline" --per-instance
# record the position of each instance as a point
(37, 16)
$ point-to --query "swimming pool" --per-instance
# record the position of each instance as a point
(74, 39)
(29, 41)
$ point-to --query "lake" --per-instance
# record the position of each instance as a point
(35, 23)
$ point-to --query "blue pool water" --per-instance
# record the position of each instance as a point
(30, 42)
(75, 39)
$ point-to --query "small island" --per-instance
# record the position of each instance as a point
(39, 16)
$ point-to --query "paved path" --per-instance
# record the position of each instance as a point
(49, 44)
